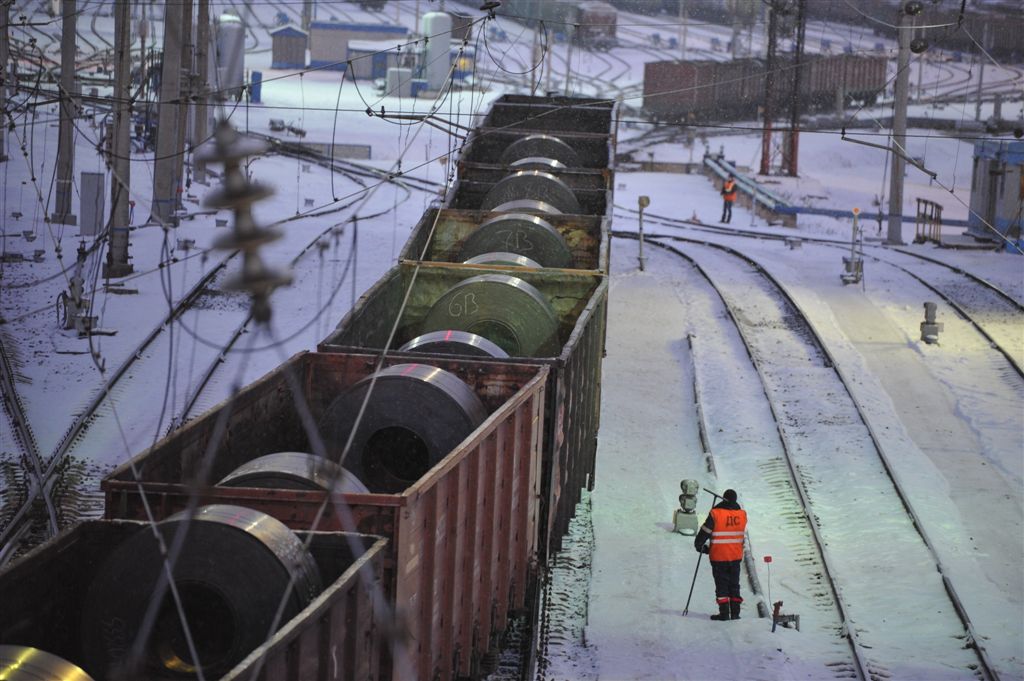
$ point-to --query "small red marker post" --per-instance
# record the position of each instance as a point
(768, 560)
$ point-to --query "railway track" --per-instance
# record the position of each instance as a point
(810, 398)
(205, 294)
(31, 483)
(994, 313)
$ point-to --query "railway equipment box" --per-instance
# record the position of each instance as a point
(997, 190)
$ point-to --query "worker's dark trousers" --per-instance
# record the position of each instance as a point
(726, 211)
(727, 580)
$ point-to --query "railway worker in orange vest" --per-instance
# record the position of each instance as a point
(724, 526)
(728, 197)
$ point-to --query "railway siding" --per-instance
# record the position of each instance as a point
(848, 486)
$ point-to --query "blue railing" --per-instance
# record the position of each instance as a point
(776, 204)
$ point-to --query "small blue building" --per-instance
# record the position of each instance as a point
(289, 48)
(997, 190)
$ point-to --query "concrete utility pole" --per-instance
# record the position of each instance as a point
(307, 14)
(899, 122)
(769, 87)
(202, 90)
(683, 25)
(981, 70)
(535, 56)
(4, 73)
(66, 131)
(165, 181)
(117, 264)
(792, 149)
(547, 82)
(187, 109)
(568, 59)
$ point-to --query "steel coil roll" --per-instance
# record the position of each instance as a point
(22, 663)
(451, 342)
(548, 165)
(504, 309)
(546, 146)
(294, 470)
(232, 575)
(414, 417)
(502, 258)
(532, 184)
(520, 233)
(526, 205)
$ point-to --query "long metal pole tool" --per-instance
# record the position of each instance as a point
(699, 558)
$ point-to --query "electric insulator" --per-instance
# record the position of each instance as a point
(239, 193)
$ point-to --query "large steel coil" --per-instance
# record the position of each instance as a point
(547, 146)
(294, 470)
(504, 309)
(519, 233)
(532, 184)
(548, 165)
(22, 663)
(236, 568)
(526, 206)
(414, 417)
(450, 342)
(503, 258)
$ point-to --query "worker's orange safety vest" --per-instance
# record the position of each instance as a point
(727, 536)
(729, 191)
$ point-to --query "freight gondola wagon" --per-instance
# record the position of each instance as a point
(49, 605)
(551, 114)
(460, 506)
(552, 317)
(454, 236)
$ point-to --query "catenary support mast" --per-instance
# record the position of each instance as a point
(117, 264)
(66, 128)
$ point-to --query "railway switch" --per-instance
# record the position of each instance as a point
(685, 520)
(929, 327)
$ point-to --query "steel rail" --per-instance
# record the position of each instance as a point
(964, 314)
(849, 631)
(24, 435)
(974, 640)
(957, 307)
(81, 422)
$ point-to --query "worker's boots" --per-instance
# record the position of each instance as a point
(723, 613)
(734, 610)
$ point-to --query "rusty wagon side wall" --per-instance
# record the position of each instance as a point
(574, 389)
(470, 488)
(334, 638)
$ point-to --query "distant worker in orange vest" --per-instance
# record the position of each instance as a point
(725, 526)
(728, 197)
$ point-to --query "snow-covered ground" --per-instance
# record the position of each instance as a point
(951, 418)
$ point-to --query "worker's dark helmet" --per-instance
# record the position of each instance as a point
(729, 495)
